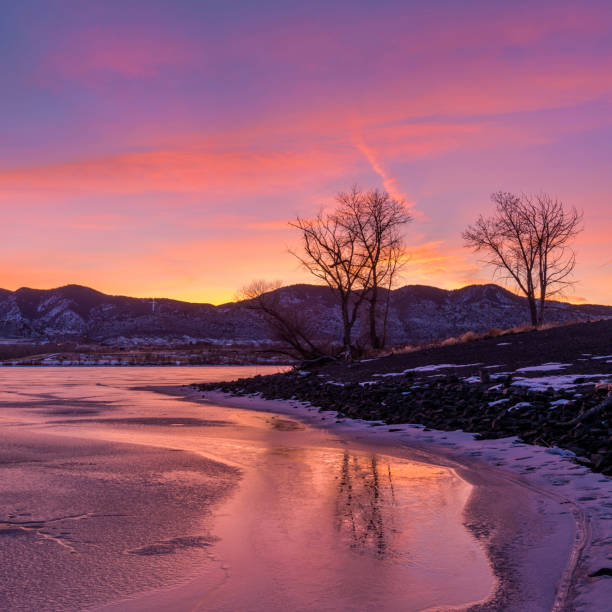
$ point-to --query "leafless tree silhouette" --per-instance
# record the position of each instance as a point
(331, 253)
(356, 249)
(376, 220)
(528, 240)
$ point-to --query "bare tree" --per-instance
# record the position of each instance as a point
(528, 241)
(554, 227)
(376, 220)
(287, 325)
(356, 250)
(331, 253)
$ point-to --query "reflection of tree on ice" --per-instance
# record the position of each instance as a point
(359, 506)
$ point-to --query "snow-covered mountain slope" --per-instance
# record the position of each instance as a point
(417, 313)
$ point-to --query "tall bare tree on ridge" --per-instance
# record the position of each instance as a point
(376, 220)
(332, 254)
(356, 249)
(528, 240)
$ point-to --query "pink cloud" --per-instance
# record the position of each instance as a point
(176, 171)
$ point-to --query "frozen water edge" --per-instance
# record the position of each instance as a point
(586, 495)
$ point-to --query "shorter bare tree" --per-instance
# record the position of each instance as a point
(554, 227)
(286, 325)
(528, 240)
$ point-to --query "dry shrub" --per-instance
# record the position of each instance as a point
(408, 348)
(470, 336)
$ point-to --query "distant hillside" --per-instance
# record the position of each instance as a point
(418, 313)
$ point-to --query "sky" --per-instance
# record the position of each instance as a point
(161, 148)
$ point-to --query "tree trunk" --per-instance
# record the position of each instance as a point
(383, 340)
(346, 332)
(543, 289)
(533, 310)
(541, 313)
(374, 339)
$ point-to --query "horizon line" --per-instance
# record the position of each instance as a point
(556, 299)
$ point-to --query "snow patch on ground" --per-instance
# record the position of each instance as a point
(430, 368)
(499, 375)
(560, 402)
(500, 401)
(519, 405)
(562, 381)
(545, 367)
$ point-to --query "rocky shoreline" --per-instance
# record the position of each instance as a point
(564, 406)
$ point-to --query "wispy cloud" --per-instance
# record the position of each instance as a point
(389, 182)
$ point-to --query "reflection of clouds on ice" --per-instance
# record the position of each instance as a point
(379, 500)
(367, 516)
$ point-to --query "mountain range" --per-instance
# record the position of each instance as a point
(417, 314)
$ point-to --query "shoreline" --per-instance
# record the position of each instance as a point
(189, 592)
(550, 493)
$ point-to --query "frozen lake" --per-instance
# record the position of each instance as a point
(114, 493)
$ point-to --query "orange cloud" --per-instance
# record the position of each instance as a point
(273, 224)
(435, 263)
(176, 171)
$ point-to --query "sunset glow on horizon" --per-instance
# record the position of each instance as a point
(157, 148)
